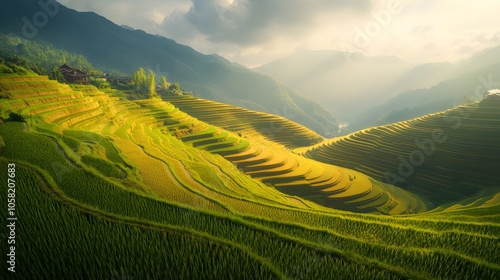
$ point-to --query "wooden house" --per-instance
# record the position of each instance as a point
(74, 76)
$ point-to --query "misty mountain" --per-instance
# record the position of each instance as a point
(350, 83)
(365, 91)
(110, 46)
(466, 82)
(465, 88)
(482, 59)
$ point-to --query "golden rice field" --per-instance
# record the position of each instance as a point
(443, 157)
(191, 188)
(272, 129)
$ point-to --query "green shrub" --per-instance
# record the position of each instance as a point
(14, 117)
(99, 83)
(4, 69)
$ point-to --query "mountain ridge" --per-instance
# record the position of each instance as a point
(106, 44)
(343, 81)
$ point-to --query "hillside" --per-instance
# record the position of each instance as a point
(109, 46)
(447, 94)
(264, 156)
(444, 157)
(138, 189)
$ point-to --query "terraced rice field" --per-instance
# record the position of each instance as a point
(271, 164)
(443, 157)
(122, 178)
(249, 124)
(155, 168)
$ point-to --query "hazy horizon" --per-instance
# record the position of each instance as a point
(253, 33)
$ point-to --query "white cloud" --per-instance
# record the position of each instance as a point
(253, 32)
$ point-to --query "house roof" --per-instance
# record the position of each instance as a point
(69, 71)
(65, 67)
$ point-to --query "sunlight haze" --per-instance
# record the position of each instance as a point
(256, 32)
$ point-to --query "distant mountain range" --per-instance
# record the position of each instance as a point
(448, 94)
(110, 46)
(365, 91)
(344, 87)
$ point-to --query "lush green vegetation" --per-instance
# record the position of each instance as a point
(99, 83)
(41, 58)
(143, 189)
(61, 238)
(207, 76)
(7, 67)
(144, 83)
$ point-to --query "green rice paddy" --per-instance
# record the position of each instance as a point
(112, 188)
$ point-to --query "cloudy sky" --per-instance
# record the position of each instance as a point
(254, 32)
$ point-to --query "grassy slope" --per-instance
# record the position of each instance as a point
(453, 154)
(207, 206)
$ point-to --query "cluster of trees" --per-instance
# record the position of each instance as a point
(167, 88)
(143, 83)
(41, 58)
(12, 68)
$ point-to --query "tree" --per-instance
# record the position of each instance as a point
(174, 89)
(144, 83)
(57, 75)
(164, 84)
(139, 80)
(151, 85)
